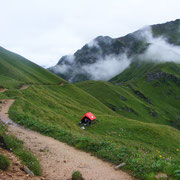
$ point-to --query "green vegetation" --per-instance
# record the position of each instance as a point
(76, 175)
(132, 123)
(16, 146)
(170, 30)
(4, 162)
(16, 71)
(163, 91)
(57, 110)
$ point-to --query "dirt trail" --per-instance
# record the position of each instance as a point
(3, 90)
(4, 108)
(58, 160)
(24, 87)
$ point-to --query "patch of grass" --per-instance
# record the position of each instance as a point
(76, 175)
(177, 174)
(4, 162)
(30, 161)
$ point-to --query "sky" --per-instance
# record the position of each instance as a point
(45, 30)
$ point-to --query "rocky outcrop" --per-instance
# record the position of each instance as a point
(76, 67)
(122, 98)
(142, 96)
(128, 109)
(152, 76)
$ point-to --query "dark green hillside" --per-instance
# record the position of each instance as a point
(158, 82)
(140, 69)
(123, 101)
(170, 30)
(16, 70)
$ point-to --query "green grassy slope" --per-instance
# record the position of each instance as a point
(123, 101)
(16, 70)
(55, 110)
(139, 70)
(163, 91)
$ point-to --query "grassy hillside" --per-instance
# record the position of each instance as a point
(56, 110)
(16, 70)
(117, 136)
(123, 101)
(139, 70)
(159, 83)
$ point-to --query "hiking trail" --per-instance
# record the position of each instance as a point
(24, 87)
(58, 160)
(3, 90)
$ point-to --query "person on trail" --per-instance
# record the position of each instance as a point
(86, 122)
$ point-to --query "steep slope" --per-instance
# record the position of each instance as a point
(159, 83)
(95, 60)
(16, 70)
(124, 101)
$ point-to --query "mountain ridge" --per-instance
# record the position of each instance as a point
(92, 56)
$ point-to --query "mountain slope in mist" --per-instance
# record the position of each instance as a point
(105, 57)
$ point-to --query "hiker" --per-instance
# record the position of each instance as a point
(87, 119)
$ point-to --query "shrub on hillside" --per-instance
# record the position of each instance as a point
(4, 162)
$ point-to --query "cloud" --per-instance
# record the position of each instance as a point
(45, 30)
(107, 68)
(159, 49)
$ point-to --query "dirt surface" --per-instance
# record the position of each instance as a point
(24, 87)
(15, 171)
(4, 108)
(58, 160)
(3, 90)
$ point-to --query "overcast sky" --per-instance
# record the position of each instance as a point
(45, 30)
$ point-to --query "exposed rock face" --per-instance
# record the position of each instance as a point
(122, 98)
(128, 109)
(162, 75)
(141, 95)
(74, 68)
(112, 107)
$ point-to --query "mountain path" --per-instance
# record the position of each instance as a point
(24, 87)
(3, 90)
(57, 159)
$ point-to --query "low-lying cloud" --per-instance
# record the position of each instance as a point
(159, 49)
(105, 68)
